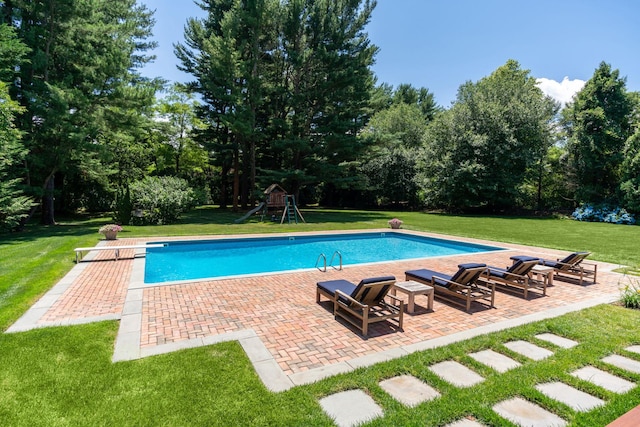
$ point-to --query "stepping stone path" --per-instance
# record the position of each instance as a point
(528, 349)
(495, 360)
(575, 399)
(525, 413)
(465, 422)
(350, 408)
(354, 407)
(623, 363)
(409, 390)
(603, 379)
(557, 340)
(456, 374)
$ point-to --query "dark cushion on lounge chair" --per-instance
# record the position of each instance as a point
(567, 262)
(498, 272)
(427, 275)
(525, 258)
(570, 259)
(331, 286)
(471, 265)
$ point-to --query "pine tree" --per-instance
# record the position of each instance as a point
(598, 125)
(285, 88)
(14, 205)
(78, 89)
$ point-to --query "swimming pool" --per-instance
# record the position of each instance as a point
(190, 260)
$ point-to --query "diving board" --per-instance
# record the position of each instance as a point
(116, 249)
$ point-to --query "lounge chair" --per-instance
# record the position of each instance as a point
(463, 285)
(363, 304)
(570, 267)
(518, 276)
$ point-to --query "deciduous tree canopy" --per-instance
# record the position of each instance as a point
(478, 152)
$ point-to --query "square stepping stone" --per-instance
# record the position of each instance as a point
(350, 408)
(495, 360)
(557, 340)
(603, 379)
(528, 349)
(623, 363)
(456, 373)
(633, 349)
(574, 398)
(524, 413)
(465, 422)
(409, 390)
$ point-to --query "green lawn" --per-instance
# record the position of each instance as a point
(64, 376)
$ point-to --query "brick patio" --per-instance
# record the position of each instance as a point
(299, 333)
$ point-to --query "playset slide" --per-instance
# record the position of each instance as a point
(251, 212)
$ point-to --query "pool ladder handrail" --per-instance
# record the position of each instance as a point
(324, 257)
(339, 257)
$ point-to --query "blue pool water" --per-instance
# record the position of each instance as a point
(229, 257)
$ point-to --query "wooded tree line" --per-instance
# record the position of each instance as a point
(283, 91)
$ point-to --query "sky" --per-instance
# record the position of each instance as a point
(441, 44)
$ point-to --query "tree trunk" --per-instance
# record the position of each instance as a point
(48, 217)
(244, 178)
(236, 179)
(252, 180)
(539, 192)
(224, 195)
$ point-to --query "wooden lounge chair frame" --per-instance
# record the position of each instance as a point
(576, 269)
(570, 268)
(467, 292)
(361, 313)
(519, 281)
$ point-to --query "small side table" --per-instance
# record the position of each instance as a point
(545, 272)
(412, 289)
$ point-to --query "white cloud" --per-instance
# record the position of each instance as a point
(562, 92)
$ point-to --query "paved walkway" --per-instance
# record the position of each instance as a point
(290, 339)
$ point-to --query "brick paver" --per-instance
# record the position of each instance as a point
(99, 291)
(281, 308)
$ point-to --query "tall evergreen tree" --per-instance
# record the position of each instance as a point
(322, 93)
(285, 87)
(598, 125)
(407, 94)
(630, 186)
(226, 52)
(80, 86)
(14, 205)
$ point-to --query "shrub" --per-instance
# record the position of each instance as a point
(631, 296)
(122, 206)
(603, 214)
(161, 200)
